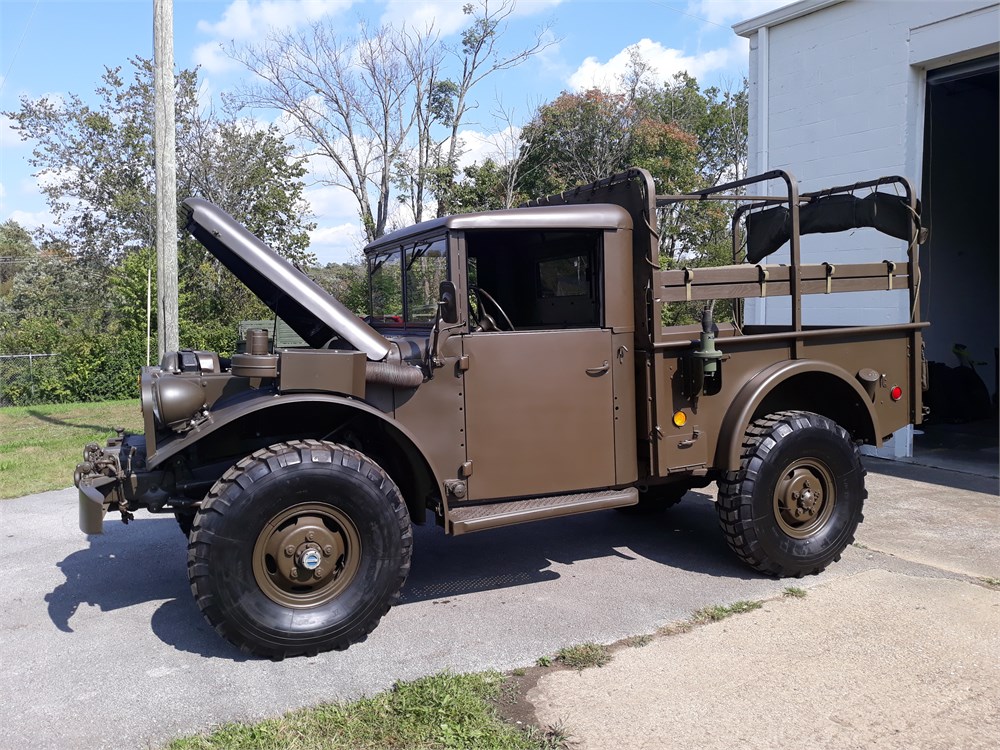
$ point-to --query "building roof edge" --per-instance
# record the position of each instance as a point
(781, 15)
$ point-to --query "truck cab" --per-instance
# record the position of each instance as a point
(532, 382)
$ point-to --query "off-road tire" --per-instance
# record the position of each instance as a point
(780, 452)
(656, 499)
(258, 499)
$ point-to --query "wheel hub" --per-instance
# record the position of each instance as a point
(803, 498)
(306, 555)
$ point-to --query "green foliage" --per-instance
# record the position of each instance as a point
(16, 249)
(688, 139)
(484, 189)
(584, 655)
(441, 711)
(347, 282)
(82, 292)
(721, 612)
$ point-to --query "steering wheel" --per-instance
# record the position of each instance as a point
(484, 320)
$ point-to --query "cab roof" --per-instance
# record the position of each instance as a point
(589, 216)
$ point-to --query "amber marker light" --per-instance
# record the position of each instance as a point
(680, 419)
(896, 393)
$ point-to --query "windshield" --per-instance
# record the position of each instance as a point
(405, 281)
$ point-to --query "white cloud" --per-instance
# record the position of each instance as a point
(477, 146)
(213, 59)
(336, 244)
(252, 20)
(32, 219)
(247, 20)
(446, 15)
(337, 237)
(725, 12)
(664, 61)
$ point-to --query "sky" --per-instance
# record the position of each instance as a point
(50, 48)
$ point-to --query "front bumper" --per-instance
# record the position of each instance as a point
(97, 495)
(100, 481)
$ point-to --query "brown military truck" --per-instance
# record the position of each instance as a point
(514, 368)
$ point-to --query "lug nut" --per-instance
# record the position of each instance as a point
(294, 573)
(310, 535)
(319, 572)
(289, 551)
(328, 550)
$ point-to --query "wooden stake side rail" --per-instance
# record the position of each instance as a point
(743, 280)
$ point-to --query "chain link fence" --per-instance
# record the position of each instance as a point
(22, 378)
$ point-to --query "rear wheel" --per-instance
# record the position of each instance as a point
(797, 498)
(299, 548)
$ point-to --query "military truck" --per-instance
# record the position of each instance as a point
(513, 367)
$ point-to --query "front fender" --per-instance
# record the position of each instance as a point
(750, 397)
(230, 413)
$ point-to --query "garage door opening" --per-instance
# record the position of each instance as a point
(960, 269)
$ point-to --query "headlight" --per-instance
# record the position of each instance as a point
(178, 402)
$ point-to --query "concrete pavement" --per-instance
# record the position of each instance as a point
(904, 656)
(102, 646)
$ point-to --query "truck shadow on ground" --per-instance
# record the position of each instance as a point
(129, 566)
(103, 429)
(146, 562)
(685, 537)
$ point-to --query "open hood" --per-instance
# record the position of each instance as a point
(310, 310)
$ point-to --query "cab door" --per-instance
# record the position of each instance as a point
(540, 413)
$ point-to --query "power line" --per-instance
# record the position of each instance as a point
(24, 33)
(689, 15)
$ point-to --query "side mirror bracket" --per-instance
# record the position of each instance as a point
(447, 312)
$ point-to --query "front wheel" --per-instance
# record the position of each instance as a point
(299, 548)
(797, 498)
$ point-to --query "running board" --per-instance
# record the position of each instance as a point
(510, 512)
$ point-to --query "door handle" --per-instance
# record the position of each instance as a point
(595, 371)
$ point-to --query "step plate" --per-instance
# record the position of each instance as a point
(510, 512)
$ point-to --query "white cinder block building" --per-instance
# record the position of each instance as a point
(844, 90)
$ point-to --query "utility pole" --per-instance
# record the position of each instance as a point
(166, 176)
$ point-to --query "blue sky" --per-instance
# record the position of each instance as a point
(55, 47)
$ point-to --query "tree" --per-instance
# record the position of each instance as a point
(348, 282)
(379, 108)
(480, 55)
(716, 116)
(16, 250)
(86, 291)
(95, 166)
(347, 99)
(580, 138)
(95, 162)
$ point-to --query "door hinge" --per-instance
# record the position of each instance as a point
(463, 363)
(465, 470)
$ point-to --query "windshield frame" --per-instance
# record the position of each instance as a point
(407, 252)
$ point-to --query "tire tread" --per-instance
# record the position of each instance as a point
(736, 488)
(241, 476)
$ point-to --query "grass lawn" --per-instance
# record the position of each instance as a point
(41, 445)
(442, 711)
